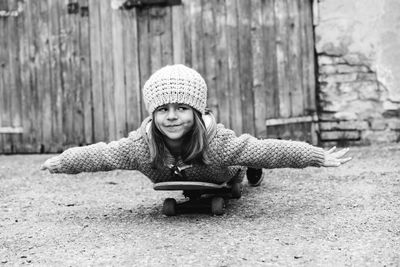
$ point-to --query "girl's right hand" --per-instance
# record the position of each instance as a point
(49, 164)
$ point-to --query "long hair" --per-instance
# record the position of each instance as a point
(195, 143)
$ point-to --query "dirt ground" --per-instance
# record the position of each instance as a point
(347, 216)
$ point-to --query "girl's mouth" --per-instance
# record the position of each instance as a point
(173, 127)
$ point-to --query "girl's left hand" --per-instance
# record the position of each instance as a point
(335, 159)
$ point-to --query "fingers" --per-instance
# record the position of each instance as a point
(331, 150)
(343, 152)
(335, 159)
(342, 161)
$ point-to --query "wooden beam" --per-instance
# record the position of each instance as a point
(11, 130)
(283, 121)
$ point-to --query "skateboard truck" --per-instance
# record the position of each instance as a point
(201, 196)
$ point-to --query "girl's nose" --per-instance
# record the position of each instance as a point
(171, 114)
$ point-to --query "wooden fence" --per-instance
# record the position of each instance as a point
(72, 71)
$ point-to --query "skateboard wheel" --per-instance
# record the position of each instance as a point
(236, 190)
(217, 205)
(169, 207)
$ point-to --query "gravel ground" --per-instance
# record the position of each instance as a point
(347, 216)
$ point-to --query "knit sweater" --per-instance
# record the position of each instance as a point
(226, 153)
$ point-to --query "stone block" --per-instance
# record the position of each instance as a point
(389, 105)
(369, 90)
(332, 106)
(356, 59)
(393, 124)
(343, 115)
(378, 124)
(345, 68)
(326, 116)
(338, 77)
(340, 135)
(343, 125)
(366, 76)
(348, 91)
(327, 69)
(365, 109)
(325, 60)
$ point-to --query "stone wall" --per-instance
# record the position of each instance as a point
(358, 53)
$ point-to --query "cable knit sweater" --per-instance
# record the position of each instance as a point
(226, 152)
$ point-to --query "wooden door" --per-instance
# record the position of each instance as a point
(72, 70)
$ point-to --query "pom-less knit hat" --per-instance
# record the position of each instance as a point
(175, 84)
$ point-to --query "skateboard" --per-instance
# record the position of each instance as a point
(199, 196)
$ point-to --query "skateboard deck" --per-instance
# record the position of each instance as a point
(201, 196)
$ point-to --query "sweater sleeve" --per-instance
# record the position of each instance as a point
(119, 154)
(247, 150)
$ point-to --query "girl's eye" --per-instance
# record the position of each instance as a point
(161, 109)
(182, 108)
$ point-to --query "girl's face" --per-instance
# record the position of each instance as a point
(174, 120)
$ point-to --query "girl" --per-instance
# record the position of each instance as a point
(182, 141)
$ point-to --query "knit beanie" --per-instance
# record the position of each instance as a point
(175, 84)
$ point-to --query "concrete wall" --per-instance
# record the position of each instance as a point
(358, 47)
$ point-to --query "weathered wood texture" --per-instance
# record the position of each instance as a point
(73, 76)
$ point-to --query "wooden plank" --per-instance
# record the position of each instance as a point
(304, 53)
(15, 78)
(156, 30)
(188, 27)
(311, 108)
(78, 135)
(132, 74)
(106, 26)
(85, 78)
(144, 50)
(119, 73)
(258, 67)
(233, 65)
(96, 71)
(67, 59)
(28, 75)
(270, 61)
(56, 106)
(209, 61)
(43, 72)
(196, 36)
(166, 37)
(309, 70)
(5, 117)
(221, 56)
(178, 35)
(294, 46)
(282, 57)
(245, 66)
(23, 61)
(35, 76)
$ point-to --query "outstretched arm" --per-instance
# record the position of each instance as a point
(97, 157)
(245, 150)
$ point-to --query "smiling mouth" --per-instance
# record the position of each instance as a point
(173, 128)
